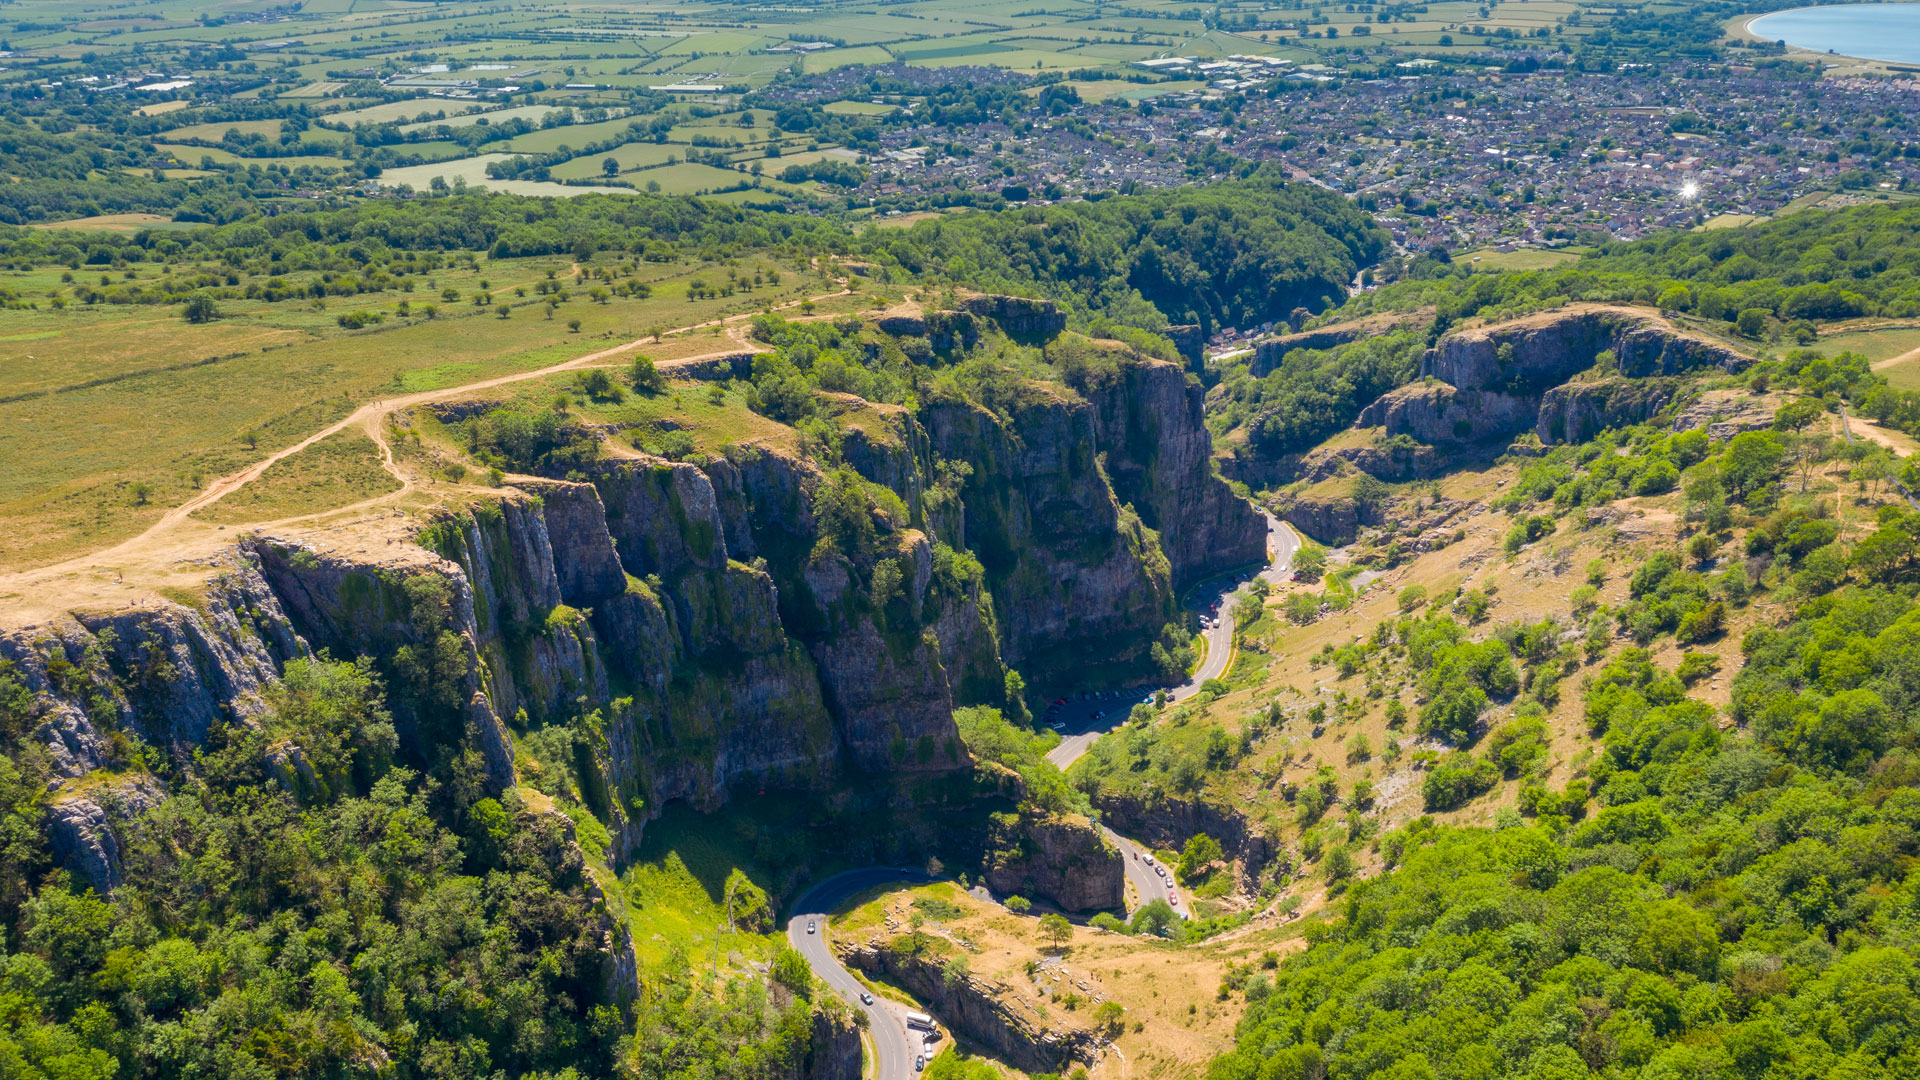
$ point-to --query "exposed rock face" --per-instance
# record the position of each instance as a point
(1497, 381)
(1549, 348)
(1151, 424)
(166, 670)
(1437, 412)
(1331, 520)
(1271, 353)
(833, 1052)
(1067, 571)
(1725, 413)
(1577, 411)
(1171, 822)
(1063, 859)
(584, 563)
(1189, 340)
(1021, 318)
(81, 828)
(360, 606)
(974, 1008)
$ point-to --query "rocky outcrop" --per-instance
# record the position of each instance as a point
(1529, 354)
(1726, 413)
(355, 604)
(1189, 340)
(584, 563)
(1495, 382)
(1271, 353)
(81, 828)
(1577, 411)
(1067, 569)
(1150, 423)
(165, 670)
(1438, 413)
(833, 1047)
(1019, 317)
(1393, 459)
(1168, 823)
(977, 1009)
(1063, 859)
(1333, 520)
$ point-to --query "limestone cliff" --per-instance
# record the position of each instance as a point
(1529, 354)
(1497, 381)
(1070, 572)
(977, 1009)
(1168, 822)
(1150, 423)
(1063, 859)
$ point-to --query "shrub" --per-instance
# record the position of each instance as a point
(1456, 780)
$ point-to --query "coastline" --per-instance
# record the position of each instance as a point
(1740, 28)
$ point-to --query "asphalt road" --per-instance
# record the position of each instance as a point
(894, 1045)
(1083, 722)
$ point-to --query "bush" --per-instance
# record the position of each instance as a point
(1456, 780)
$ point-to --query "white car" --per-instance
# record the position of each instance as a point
(1161, 870)
(809, 927)
(866, 998)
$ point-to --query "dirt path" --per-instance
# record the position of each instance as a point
(1910, 354)
(158, 554)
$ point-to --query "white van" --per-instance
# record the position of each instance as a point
(921, 1021)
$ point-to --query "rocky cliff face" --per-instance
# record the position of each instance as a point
(1151, 424)
(1577, 411)
(834, 1051)
(1498, 381)
(1271, 353)
(975, 1008)
(1171, 822)
(1068, 570)
(1439, 413)
(1062, 859)
(1530, 354)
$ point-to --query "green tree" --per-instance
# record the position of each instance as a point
(200, 308)
(1200, 852)
(1056, 930)
(645, 378)
(790, 970)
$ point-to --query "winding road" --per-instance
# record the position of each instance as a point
(894, 1046)
(1084, 721)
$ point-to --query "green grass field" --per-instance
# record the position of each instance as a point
(1523, 259)
(119, 395)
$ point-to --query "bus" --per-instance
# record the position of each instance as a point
(921, 1021)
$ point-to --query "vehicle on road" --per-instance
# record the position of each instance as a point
(809, 926)
(921, 1021)
(866, 998)
(1161, 870)
(920, 1063)
(1148, 859)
